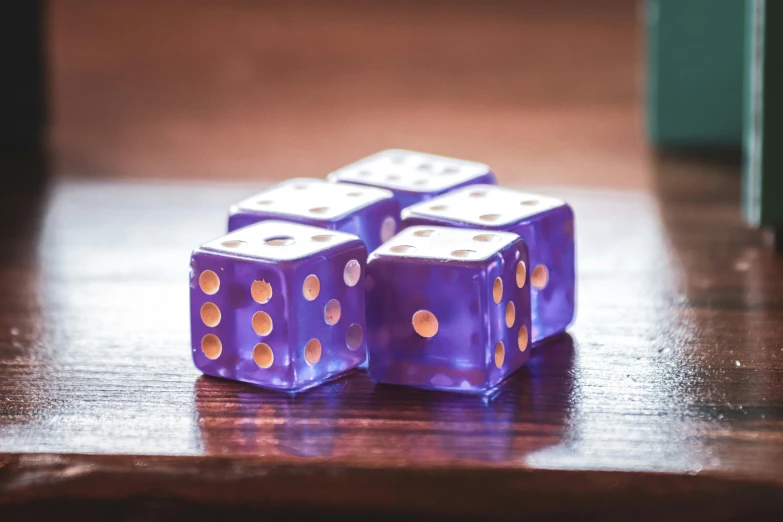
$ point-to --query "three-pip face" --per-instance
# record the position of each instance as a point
(371, 213)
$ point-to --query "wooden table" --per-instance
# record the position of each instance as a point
(665, 400)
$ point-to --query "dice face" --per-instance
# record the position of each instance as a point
(414, 176)
(279, 305)
(448, 309)
(368, 212)
(547, 226)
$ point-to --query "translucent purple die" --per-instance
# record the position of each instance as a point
(370, 213)
(448, 308)
(414, 176)
(278, 304)
(546, 224)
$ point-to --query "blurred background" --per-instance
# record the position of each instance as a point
(547, 93)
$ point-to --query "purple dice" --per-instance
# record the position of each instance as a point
(279, 305)
(448, 308)
(546, 224)
(414, 176)
(370, 213)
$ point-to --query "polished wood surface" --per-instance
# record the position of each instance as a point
(665, 398)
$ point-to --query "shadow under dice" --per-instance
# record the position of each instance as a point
(547, 226)
(373, 214)
(414, 176)
(279, 305)
(448, 309)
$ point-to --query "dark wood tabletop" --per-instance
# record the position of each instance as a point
(665, 397)
(663, 401)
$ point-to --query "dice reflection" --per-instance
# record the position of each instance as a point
(352, 418)
(526, 413)
(236, 418)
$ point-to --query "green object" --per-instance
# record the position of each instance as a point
(763, 174)
(695, 54)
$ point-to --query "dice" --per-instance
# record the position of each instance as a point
(371, 213)
(546, 224)
(448, 308)
(414, 176)
(278, 304)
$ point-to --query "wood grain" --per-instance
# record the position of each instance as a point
(665, 399)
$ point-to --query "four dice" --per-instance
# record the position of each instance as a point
(448, 308)
(454, 301)
(414, 176)
(278, 304)
(546, 224)
(370, 213)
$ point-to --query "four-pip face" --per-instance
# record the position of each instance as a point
(414, 176)
(546, 224)
(370, 213)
